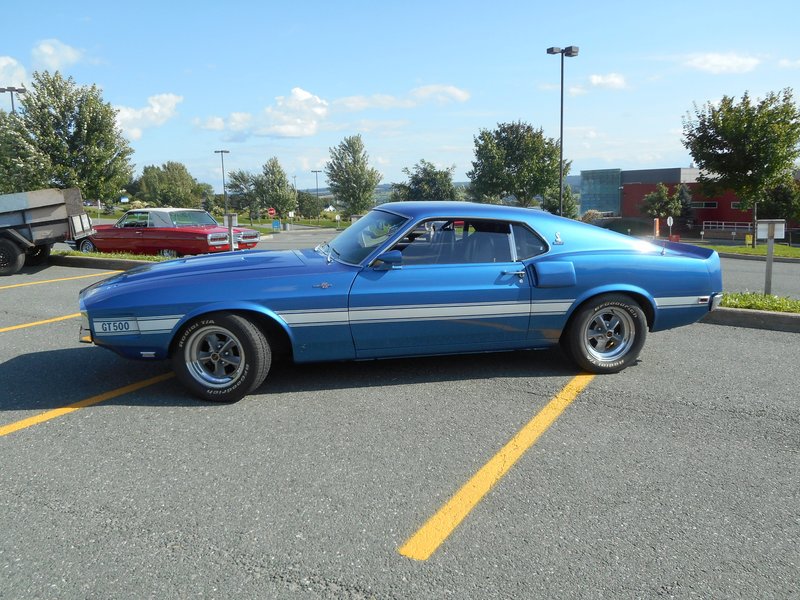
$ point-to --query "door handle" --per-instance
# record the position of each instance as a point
(520, 274)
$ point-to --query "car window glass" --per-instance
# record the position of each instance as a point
(159, 219)
(456, 242)
(526, 242)
(359, 240)
(190, 218)
(133, 219)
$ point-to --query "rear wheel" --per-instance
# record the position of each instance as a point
(168, 253)
(221, 357)
(38, 255)
(607, 333)
(11, 257)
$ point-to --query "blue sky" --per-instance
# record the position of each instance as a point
(417, 79)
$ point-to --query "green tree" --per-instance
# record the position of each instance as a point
(275, 189)
(515, 160)
(171, 184)
(243, 185)
(77, 132)
(426, 182)
(661, 203)
(782, 202)
(309, 205)
(350, 178)
(683, 196)
(551, 203)
(22, 166)
(747, 147)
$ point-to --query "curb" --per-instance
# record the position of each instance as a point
(782, 259)
(754, 319)
(88, 262)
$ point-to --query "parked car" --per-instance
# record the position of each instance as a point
(407, 279)
(170, 232)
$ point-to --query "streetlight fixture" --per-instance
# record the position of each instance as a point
(568, 51)
(12, 90)
(222, 154)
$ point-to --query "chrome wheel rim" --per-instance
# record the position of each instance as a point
(87, 246)
(215, 357)
(168, 253)
(608, 334)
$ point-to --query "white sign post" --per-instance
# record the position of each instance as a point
(771, 229)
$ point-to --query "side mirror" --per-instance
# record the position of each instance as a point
(393, 259)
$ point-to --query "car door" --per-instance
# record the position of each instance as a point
(127, 233)
(458, 288)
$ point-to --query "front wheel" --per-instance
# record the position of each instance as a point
(221, 357)
(87, 246)
(607, 333)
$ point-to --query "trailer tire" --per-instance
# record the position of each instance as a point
(38, 255)
(11, 257)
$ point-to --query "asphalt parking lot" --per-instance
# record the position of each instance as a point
(675, 478)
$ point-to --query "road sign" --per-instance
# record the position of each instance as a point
(669, 221)
(271, 211)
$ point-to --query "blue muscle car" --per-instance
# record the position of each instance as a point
(408, 279)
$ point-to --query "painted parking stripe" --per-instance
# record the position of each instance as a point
(65, 410)
(27, 283)
(432, 534)
(35, 323)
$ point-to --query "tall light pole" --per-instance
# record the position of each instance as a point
(568, 51)
(316, 178)
(222, 154)
(12, 90)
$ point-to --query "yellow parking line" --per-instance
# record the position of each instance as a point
(27, 283)
(430, 536)
(35, 323)
(58, 412)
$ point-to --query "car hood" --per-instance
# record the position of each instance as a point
(267, 262)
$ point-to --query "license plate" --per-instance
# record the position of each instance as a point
(115, 326)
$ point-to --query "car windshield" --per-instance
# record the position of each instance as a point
(359, 240)
(189, 218)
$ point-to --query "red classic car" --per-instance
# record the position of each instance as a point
(169, 232)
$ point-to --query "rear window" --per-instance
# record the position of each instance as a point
(189, 218)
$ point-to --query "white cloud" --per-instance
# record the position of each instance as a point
(54, 55)
(613, 81)
(576, 90)
(160, 109)
(443, 94)
(382, 101)
(718, 64)
(211, 124)
(440, 94)
(297, 115)
(12, 74)
(789, 64)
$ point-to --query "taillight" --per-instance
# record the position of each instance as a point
(217, 239)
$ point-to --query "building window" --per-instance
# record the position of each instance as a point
(737, 205)
(704, 205)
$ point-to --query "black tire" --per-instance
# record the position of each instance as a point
(87, 246)
(167, 253)
(38, 255)
(607, 333)
(221, 357)
(11, 257)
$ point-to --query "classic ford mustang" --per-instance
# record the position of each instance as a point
(170, 232)
(407, 279)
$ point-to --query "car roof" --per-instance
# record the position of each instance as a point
(464, 210)
(166, 209)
